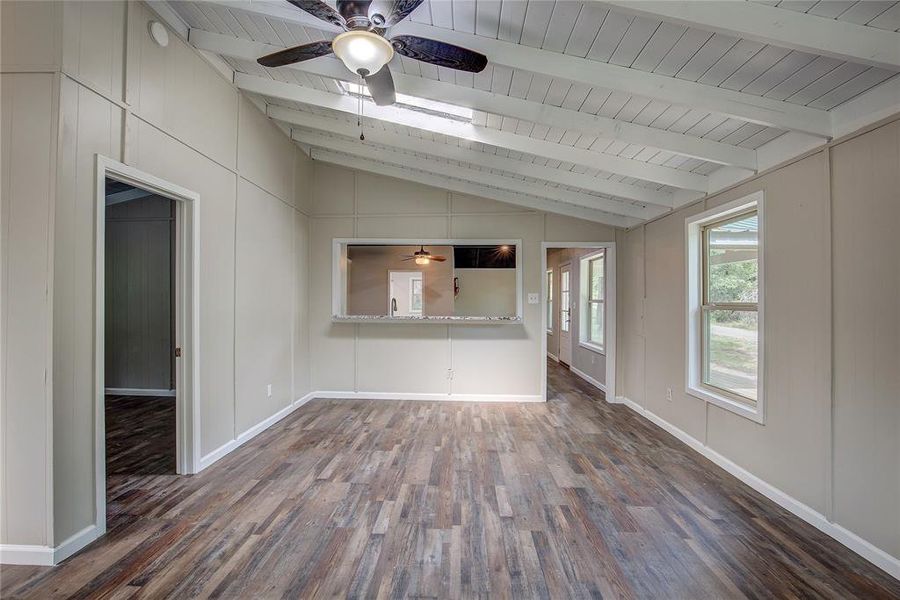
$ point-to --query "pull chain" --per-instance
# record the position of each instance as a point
(359, 117)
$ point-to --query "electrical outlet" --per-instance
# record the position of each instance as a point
(593, 359)
(449, 373)
(269, 390)
(534, 298)
(669, 394)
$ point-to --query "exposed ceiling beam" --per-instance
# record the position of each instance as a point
(126, 195)
(747, 107)
(462, 154)
(778, 26)
(499, 104)
(473, 189)
(401, 159)
(474, 133)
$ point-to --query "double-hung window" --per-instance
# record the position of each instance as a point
(593, 301)
(724, 306)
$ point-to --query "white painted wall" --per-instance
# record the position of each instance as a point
(486, 292)
(485, 360)
(184, 123)
(842, 203)
(27, 163)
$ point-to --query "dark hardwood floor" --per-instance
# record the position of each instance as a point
(573, 498)
(140, 438)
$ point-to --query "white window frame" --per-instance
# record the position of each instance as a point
(584, 284)
(694, 269)
(549, 282)
(412, 295)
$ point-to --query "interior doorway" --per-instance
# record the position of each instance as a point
(579, 312)
(147, 328)
(139, 336)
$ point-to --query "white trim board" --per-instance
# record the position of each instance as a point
(428, 396)
(46, 556)
(242, 438)
(588, 378)
(865, 549)
(22, 554)
(138, 392)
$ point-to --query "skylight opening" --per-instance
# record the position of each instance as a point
(450, 111)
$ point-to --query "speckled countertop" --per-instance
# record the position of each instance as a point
(423, 319)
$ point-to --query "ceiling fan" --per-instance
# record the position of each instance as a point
(363, 48)
(423, 256)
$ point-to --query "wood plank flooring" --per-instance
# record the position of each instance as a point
(388, 499)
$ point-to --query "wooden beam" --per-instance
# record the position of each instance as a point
(747, 107)
(778, 26)
(462, 154)
(519, 186)
(473, 189)
(126, 195)
(499, 104)
(474, 133)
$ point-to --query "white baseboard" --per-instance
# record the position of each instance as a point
(589, 379)
(242, 438)
(427, 397)
(553, 357)
(231, 445)
(22, 554)
(75, 543)
(45, 556)
(139, 392)
(878, 557)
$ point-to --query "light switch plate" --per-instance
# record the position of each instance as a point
(534, 298)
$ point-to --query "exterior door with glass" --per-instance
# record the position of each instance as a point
(565, 314)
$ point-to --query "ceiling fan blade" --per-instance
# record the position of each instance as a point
(295, 54)
(386, 13)
(439, 53)
(319, 9)
(438, 258)
(381, 86)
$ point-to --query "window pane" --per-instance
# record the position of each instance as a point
(733, 261)
(416, 296)
(596, 320)
(564, 303)
(596, 273)
(732, 350)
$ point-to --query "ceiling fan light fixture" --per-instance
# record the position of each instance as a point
(422, 260)
(362, 51)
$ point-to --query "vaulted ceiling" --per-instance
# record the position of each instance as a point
(611, 111)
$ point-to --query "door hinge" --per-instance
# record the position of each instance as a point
(177, 352)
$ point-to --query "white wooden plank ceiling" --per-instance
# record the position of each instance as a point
(615, 108)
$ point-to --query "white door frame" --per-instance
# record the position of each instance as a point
(187, 320)
(610, 248)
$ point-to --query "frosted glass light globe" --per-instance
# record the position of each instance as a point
(362, 50)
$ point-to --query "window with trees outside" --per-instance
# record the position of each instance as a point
(725, 314)
(593, 301)
(550, 300)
